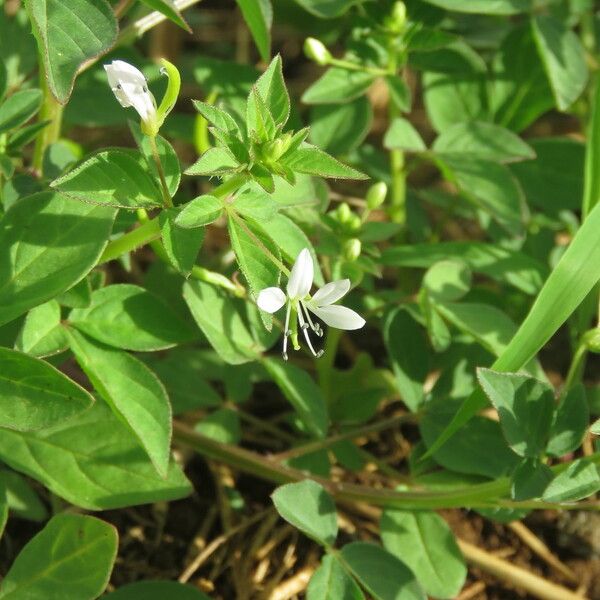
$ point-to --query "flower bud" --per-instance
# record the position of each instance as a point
(354, 223)
(376, 195)
(398, 16)
(344, 213)
(592, 340)
(316, 50)
(352, 249)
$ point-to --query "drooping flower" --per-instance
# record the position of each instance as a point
(131, 89)
(300, 304)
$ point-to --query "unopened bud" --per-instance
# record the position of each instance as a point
(352, 249)
(376, 195)
(398, 16)
(344, 213)
(354, 223)
(592, 340)
(316, 50)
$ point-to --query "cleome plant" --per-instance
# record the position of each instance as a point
(406, 194)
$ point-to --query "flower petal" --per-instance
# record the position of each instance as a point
(271, 299)
(119, 71)
(331, 292)
(301, 277)
(339, 317)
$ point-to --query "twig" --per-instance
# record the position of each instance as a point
(509, 573)
(217, 542)
(529, 538)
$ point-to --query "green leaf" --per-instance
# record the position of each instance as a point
(505, 266)
(181, 373)
(525, 407)
(111, 178)
(3, 507)
(425, 543)
(168, 8)
(102, 471)
(72, 557)
(402, 134)
(199, 212)
(271, 87)
(595, 427)
(50, 243)
(530, 479)
(34, 395)
(553, 182)
(290, 239)
(129, 317)
(578, 481)
(181, 245)
(156, 590)
(302, 393)
(66, 40)
(42, 334)
(409, 362)
(338, 86)
(381, 573)
(21, 498)
(309, 508)
(78, 296)
(591, 195)
(258, 15)
(563, 57)
(338, 129)
(327, 9)
(452, 98)
(571, 420)
(520, 91)
(447, 280)
(217, 117)
(260, 271)
(331, 582)
(19, 108)
(215, 161)
(222, 425)
(567, 286)
(132, 391)
(252, 201)
(489, 325)
(218, 316)
(493, 457)
(483, 140)
(486, 7)
(400, 93)
(490, 186)
(309, 159)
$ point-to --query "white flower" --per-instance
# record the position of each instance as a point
(300, 303)
(131, 89)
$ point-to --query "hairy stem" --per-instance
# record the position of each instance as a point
(167, 200)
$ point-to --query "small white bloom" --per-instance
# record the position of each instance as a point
(131, 89)
(301, 304)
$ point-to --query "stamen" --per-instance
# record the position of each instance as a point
(314, 326)
(304, 327)
(286, 330)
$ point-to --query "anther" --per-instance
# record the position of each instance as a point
(319, 353)
(284, 355)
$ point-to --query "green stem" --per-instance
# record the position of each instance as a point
(217, 279)
(347, 435)
(150, 230)
(167, 200)
(325, 363)
(132, 240)
(577, 364)
(51, 111)
(350, 66)
(484, 495)
(397, 173)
